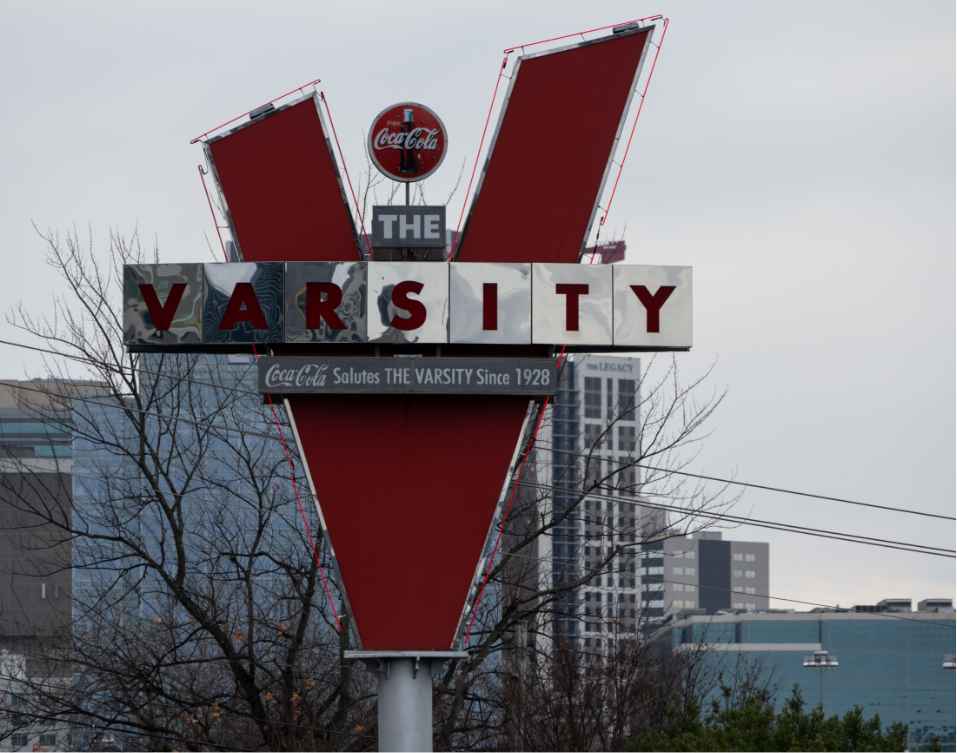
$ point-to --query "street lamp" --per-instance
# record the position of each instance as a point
(820, 660)
(949, 662)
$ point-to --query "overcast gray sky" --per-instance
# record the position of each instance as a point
(800, 156)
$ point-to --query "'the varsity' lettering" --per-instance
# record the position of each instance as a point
(243, 306)
(572, 292)
(653, 304)
(415, 308)
(629, 307)
(162, 315)
(489, 306)
(322, 300)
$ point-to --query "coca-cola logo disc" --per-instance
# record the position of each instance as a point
(407, 142)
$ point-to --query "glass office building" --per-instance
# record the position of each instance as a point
(888, 662)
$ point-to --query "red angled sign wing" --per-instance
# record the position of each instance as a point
(552, 150)
(282, 188)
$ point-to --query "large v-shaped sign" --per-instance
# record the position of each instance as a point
(408, 484)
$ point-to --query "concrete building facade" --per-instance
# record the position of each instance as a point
(705, 571)
(589, 484)
(35, 469)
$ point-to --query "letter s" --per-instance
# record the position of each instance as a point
(415, 308)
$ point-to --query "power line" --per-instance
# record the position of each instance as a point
(836, 609)
(139, 368)
(752, 485)
(773, 525)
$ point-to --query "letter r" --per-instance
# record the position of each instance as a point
(322, 300)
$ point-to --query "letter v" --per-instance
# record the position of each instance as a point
(162, 315)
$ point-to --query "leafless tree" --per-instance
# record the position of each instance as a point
(202, 617)
(581, 516)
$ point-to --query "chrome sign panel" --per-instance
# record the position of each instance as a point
(572, 304)
(579, 306)
(652, 305)
(163, 304)
(243, 302)
(408, 302)
(325, 302)
(490, 303)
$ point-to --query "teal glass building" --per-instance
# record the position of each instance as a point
(897, 664)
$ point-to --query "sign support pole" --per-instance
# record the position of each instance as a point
(405, 705)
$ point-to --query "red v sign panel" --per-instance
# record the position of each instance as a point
(552, 150)
(408, 484)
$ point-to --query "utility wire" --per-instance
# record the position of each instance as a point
(831, 606)
(734, 482)
(771, 524)
(858, 538)
(752, 485)
(139, 368)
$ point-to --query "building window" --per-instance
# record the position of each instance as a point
(593, 472)
(592, 397)
(677, 571)
(18, 740)
(48, 739)
(750, 574)
(43, 590)
(626, 439)
(626, 398)
(749, 558)
(738, 573)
